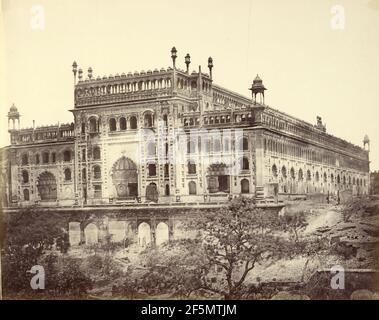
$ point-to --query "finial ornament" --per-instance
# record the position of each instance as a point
(173, 55)
(210, 66)
(80, 74)
(90, 73)
(187, 60)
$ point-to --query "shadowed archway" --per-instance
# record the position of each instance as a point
(125, 178)
(47, 186)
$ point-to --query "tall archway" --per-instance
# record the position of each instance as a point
(144, 234)
(152, 192)
(47, 186)
(162, 233)
(125, 178)
(91, 233)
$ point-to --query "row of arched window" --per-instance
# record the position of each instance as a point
(300, 176)
(215, 145)
(66, 173)
(45, 157)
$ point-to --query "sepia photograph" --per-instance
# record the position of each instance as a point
(171, 150)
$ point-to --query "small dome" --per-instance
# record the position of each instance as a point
(13, 108)
(124, 164)
(366, 139)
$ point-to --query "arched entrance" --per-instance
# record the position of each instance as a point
(161, 234)
(152, 192)
(47, 186)
(144, 234)
(218, 178)
(91, 234)
(125, 178)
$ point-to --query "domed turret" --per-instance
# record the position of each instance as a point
(258, 88)
(366, 143)
(13, 115)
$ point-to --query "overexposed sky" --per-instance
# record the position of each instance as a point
(309, 67)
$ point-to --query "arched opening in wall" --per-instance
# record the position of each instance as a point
(353, 180)
(125, 178)
(74, 233)
(349, 180)
(165, 120)
(112, 124)
(167, 190)
(37, 159)
(317, 177)
(24, 159)
(344, 180)
(325, 177)
(122, 123)
(152, 192)
(83, 127)
(45, 157)
(93, 127)
(309, 176)
(152, 168)
(53, 157)
(338, 179)
(192, 188)
(245, 186)
(332, 178)
(133, 122)
(26, 194)
(25, 176)
(162, 233)
(148, 120)
(300, 175)
(91, 234)
(96, 153)
(245, 144)
(284, 172)
(67, 155)
(292, 172)
(84, 174)
(96, 172)
(191, 165)
(144, 234)
(67, 174)
(166, 149)
(218, 178)
(47, 186)
(274, 171)
(245, 165)
(166, 170)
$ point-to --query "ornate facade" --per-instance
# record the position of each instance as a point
(170, 136)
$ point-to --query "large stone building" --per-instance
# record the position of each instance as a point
(171, 136)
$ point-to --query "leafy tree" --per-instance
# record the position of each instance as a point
(294, 222)
(232, 241)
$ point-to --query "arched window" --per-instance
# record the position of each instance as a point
(300, 175)
(338, 179)
(151, 149)
(148, 120)
(93, 125)
(191, 146)
(245, 144)
(353, 180)
(245, 163)
(152, 169)
(84, 174)
(332, 177)
(292, 172)
(284, 172)
(167, 190)
(274, 171)
(122, 123)
(192, 187)
(67, 155)
(37, 159)
(53, 157)
(191, 167)
(24, 159)
(25, 176)
(166, 149)
(96, 153)
(133, 122)
(67, 174)
(245, 186)
(165, 120)
(166, 170)
(45, 157)
(317, 176)
(83, 127)
(112, 124)
(309, 176)
(26, 194)
(344, 180)
(96, 172)
(325, 177)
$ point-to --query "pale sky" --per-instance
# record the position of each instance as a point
(308, 67)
